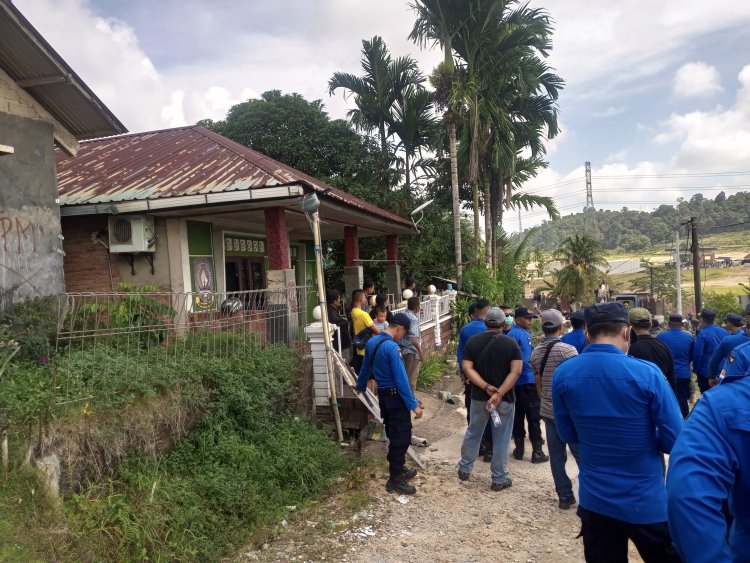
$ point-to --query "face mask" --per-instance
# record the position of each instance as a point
(509, 320)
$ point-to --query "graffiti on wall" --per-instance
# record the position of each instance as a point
(30, 253)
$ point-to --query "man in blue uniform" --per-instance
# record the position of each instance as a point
(708, 470)
(476, 326)
(623, 414)
(383, 358)
(576, 337)
(738, 362)
(681, 344)
(706, 341)
(737, 335)
(528, 402)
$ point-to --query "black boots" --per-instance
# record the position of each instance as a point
(400, 486)
(537, 454)
(518, 450)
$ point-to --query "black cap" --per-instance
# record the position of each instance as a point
(577, 316)
(675, 318)
(708, 314)
(735, 319)
(401, 319)
(606, 313)
(524, 312)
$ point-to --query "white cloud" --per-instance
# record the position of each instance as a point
(696, 79)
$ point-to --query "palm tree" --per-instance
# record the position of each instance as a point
(415, 124)
(438, 22)
(385, 82)
(582, 256)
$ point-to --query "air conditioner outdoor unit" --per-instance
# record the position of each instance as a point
(131, 234)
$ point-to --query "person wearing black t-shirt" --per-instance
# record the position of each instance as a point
(493, 362)
(646, 347)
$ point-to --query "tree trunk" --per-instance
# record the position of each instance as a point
(408, 173)
(384, 160)
(477, 234)
(456, 200)
(488, 238)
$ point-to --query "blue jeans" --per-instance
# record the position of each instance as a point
(557, 458)
(500, 439)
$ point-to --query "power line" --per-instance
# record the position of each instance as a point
(674, 175)
(729, 225)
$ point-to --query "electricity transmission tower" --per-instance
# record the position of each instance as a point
(589, 190)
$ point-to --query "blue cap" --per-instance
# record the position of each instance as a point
(606, 313)
(576, 315)
(401, 319)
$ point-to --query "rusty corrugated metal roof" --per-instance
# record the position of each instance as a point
(35, 66)
(178, 162)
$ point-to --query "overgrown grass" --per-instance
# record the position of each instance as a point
(432, 369)
(249, 458)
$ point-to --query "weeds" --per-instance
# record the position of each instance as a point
(432, 369)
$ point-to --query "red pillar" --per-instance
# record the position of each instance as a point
(277, 239)
(351, 247)
(391, 244)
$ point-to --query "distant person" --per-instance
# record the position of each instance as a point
(706, 341)
(343, 334)
(709, 475)
(411, 284)
(508, 318)
(681, 344)
(492, 362)
(383, 362)
(623, 415)
(545, 358)
(476, 326)
(734, 324)
(527, 397)
(576, 337)
(648, 348)
(411, 345)
(369, 288)
(361, 321)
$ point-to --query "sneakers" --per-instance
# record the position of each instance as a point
(399, 485)
(517, 453)
(408, 474)
(566, 503)
(463, 475)
(538, 456)
(500, 486)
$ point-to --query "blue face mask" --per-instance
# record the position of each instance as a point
(509, 320)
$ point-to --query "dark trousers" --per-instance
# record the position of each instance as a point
(397, 422)
(527, 406)
(605, 540)
(682, 392)
(357, 360)
(485, 446)
(703, 384)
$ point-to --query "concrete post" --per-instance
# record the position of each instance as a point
(435, 304)
(277, 239)
(353, 279)
(392, 269)
(321, 389)
(281, 305)
(351, 247)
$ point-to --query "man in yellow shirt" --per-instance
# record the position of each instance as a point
(361, 320)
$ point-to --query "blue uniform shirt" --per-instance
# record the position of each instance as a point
(623, 414)
(722, 351)
(523, 337)
(681, 344)
(467, 331)
(576, 338)
(706, 342)
(738, 361)
(708, 464)
(387, 368)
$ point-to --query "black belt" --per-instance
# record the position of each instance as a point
(389, 391)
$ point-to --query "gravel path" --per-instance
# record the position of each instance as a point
(447, 520)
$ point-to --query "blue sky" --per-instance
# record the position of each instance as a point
(653, 88)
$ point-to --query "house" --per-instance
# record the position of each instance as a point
(188, 210)
(43, 103)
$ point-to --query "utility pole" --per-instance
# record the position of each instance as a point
(651, 271)
(678, 263)
(520, 226)
(696, 265)
(589, 207)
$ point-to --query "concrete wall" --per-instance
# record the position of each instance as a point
(31, 262)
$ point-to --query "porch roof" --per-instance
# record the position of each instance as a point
(194, 171)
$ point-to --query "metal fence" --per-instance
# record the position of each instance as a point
(128, 335)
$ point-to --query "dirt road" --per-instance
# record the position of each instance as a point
(447, 520)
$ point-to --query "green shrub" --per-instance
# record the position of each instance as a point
(431, 370)
(722, 303)
(479, 281)
(33, 324)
